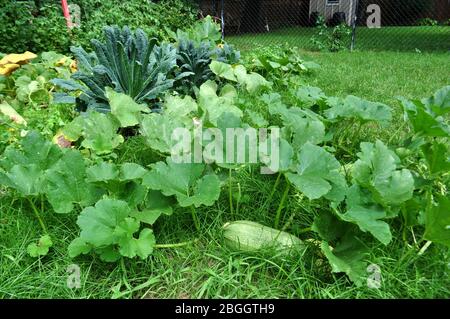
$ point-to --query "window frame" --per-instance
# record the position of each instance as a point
(333, 2)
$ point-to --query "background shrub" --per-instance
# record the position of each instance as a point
(26, 26)
(156, 18)
(40, 25)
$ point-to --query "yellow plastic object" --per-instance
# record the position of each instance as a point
(12, 62)
(9, 68)
(18, 58)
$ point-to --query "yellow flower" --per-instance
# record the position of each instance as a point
(61, 61)
(220, 46)
(73, 66)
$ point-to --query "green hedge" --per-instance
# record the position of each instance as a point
(40, 26)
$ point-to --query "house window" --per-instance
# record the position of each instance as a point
(332, 2)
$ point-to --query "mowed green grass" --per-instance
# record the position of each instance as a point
(207, 269)
(403, 39)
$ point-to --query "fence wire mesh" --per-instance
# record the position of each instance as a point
(400, 25)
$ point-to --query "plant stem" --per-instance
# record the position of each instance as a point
(358, 130)
(343, 132)
(305, 230)
(36, 212)
(274, 189)
(424, 248)
(281, 205)
(185, 243)
(396, 133)
(195, 218)
(124, 274)
(230, 192)
(291, 219)
(238, 199)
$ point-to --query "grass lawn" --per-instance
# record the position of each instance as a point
(430, 39)
(204, 268)
(380, 76)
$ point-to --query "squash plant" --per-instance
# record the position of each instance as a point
(360, 187)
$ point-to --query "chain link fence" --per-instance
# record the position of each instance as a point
(399, 25)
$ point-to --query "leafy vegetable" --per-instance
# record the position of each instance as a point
(377, 170)
(127, 62)
(437, 221)
(186, 181)
(24, 170)
(41, 248)
(109, 228)
(317, 174)
(66, 184)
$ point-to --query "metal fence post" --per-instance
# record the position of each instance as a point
(355, 18)
(222, 19)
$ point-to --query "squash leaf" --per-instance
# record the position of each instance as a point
(185, 181)
(66, 184)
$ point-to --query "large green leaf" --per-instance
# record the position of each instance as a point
(285, 156)
(439, 103)
(309, 96)
(437, 156)
(24, 169)
(317, 173)
(66, 184)
(141, 247)
(215, 105)
(121, 181)
(223, 70)
(424, 121)
(124, 108)
(231, 143)
(253, 82)
(348, 253)
(156, 205)
(355, 107)
(185, 181)
(377, 170)
(328, 226)
(302, 125)
(107, 224)
(105, 172)
(366, 214)
(369, 220)
(100, 133)
(180, 108)
(158, 130)
(347, 257)
(437, 221)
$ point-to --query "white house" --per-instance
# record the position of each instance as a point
(329, 7)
